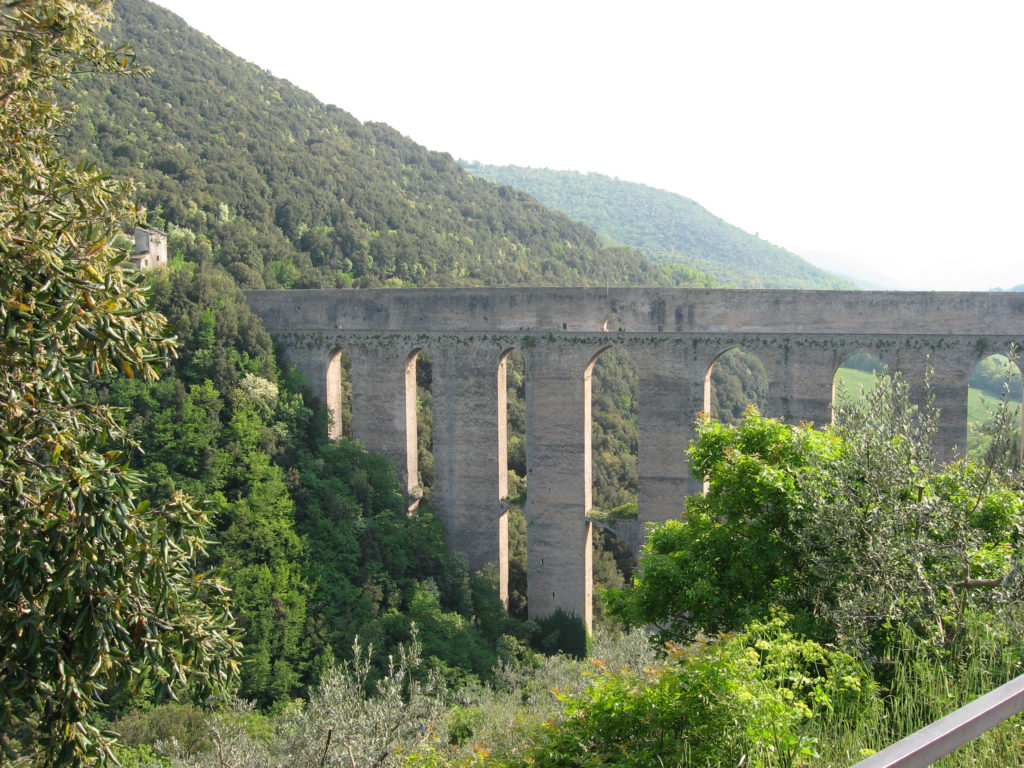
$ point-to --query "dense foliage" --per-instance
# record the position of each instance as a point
(853, 530)
(762, 697)
(313, 536)
(676, 232)
(708, 704)
(96, 586)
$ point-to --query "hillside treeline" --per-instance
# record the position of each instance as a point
(678, 233)
(284, 191)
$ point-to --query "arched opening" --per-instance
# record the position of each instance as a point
(735, 380)
(419, 422)
(512, 583)
(994, 410)
(856, 376)
(512, 424)
(614, 437)
(425, 422)
(339, 395)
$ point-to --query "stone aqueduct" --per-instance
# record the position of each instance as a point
(672, 337)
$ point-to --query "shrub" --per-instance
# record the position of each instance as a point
(749, 696)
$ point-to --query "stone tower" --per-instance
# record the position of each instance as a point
(150, 248)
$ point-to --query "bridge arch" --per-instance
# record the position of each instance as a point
(855, 375)
(993, 379)
(512, 478)
(588, 436)
(612, 427)
(414, 487)
(511, 418)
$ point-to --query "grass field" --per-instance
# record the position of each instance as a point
(981, 406)
(850, 382)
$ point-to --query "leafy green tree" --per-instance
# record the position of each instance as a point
(733, 554)
(890, 536)
(212, 427)
(852, 529)
(95, 585)
(313, 536)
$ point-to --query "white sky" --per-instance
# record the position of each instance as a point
(889, 134)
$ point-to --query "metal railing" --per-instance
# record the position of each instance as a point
(927, 745)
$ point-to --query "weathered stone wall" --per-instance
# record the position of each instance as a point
(641, 310)
(672, 337)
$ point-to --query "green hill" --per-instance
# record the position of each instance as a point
(285, 191)
(670, 228)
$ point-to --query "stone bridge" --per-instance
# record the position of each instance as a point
(672, 336)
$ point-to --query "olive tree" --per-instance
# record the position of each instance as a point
(95, 587)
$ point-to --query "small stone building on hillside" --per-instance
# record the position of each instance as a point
(150, 248)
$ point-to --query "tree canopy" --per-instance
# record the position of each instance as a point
(96, 586)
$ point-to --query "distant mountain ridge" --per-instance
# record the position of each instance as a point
(668, 227)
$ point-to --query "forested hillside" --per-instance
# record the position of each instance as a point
(671, 229)
(285, 191)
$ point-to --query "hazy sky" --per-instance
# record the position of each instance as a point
(890, 134)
